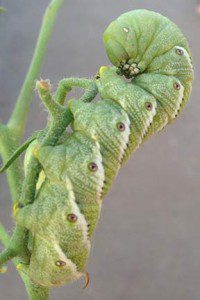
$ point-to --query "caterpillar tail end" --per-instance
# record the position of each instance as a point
(87, 279)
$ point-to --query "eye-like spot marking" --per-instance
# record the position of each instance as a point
(149, 106)
(60, 263)
(92, 167)
(126, 29)
(177, 86)
(121, 126)
(20, 205)
(179, 51)
(72, 218)
(88, 225)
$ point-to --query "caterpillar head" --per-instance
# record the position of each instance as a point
(135, 38)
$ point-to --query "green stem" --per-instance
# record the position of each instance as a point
(14, 176)
(11, 134)
(66, 85)
(18, 118)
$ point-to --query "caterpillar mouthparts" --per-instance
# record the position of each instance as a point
(128, 69)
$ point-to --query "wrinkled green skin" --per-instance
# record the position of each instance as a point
(52, 235)
(152, 53)
(70, 160)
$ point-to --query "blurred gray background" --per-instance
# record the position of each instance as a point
(147, 244)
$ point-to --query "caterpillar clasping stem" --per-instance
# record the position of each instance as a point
(68, 174)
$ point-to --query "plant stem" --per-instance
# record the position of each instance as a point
(11, 134)
(66, 85)
(7, 147)
(18, 118)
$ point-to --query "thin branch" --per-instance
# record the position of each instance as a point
(18, 118)
(66, 85)
(11, 134)
(14, 176)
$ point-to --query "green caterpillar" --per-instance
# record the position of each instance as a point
(77, 172)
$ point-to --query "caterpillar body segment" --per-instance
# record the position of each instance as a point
(177, 63)
(167, 90)
(80, 160)
(59, 235)
(139, 36)
(138, 103)
(106, 122)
